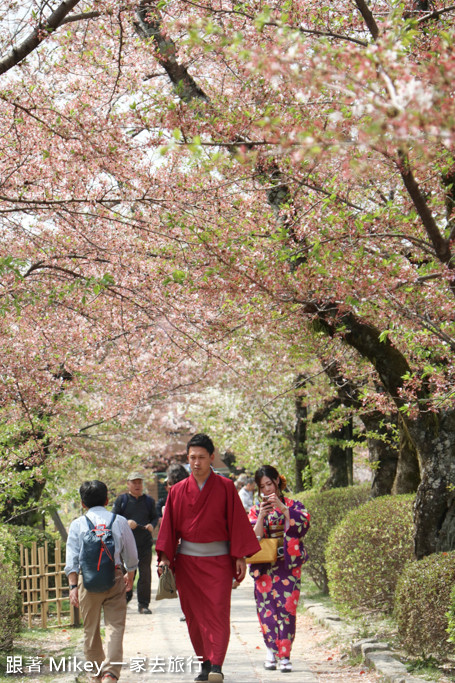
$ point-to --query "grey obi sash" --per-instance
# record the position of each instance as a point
(203, 549)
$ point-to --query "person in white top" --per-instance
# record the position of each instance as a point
(246, 494)
(106, 663)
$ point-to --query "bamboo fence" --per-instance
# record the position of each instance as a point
(42, 585)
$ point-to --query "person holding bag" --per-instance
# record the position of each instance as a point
(204, 538)
(277, 582)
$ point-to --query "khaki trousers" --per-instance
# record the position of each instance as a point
(113, 604)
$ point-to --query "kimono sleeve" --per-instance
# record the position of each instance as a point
(299, 522)
(243, 541)
(253, 514)
(167, 536)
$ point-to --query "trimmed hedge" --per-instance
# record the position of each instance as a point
(422, 601)
(327, 509)
(367, 552)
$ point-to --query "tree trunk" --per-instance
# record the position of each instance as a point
(303, 478)
(348, 430)
(383, 454)
(340, 459)
(407, 478)
(434, 516)
(433, 433)
(59, 526)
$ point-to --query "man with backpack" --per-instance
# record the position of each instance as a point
(139, 509)
(96, 543)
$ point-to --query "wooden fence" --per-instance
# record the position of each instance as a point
(44, 587)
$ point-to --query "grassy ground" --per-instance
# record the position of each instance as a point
(34, 646)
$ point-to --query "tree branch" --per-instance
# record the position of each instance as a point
(388, 361)
(184, 84)
(330, 34)
(441, 244)
(40, 33)
(435, 14)
(368, 18)
(275, 24)
(82, 16)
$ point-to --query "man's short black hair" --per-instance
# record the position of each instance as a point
(201, 440)
(93, 493)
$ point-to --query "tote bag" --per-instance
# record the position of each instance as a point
(166, 585)
(268, 551)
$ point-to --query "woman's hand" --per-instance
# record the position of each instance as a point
(276, 502)
(265, 508)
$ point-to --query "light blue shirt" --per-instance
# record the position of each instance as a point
(125, 545)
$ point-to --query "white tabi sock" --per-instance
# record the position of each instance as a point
(270, 655)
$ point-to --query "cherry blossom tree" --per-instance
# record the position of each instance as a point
(178, 178)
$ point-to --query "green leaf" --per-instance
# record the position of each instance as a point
(179, 276)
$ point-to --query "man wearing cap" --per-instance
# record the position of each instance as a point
(139, 509)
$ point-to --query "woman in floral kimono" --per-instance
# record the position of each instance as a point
(277, 584)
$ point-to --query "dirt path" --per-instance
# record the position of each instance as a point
(327, 659)
(318, 656)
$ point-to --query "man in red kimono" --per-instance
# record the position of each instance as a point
(204, 513)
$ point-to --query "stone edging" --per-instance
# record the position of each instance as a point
(375, 654)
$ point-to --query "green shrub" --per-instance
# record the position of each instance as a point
(451, 616)
(9, 551)
(9, 592)
(327, 509)
(422, 598)
(28, 534)
(9, 606)
(367, 551)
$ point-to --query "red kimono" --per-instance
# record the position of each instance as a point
(204, 583)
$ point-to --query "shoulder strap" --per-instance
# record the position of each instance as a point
(123, 503)
(108, 526)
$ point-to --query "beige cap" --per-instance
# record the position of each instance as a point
(135, 475)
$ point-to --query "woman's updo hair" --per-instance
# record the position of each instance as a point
(272, 473)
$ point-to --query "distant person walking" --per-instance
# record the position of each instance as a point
(175, 472)
(246, 494)
(277, 584)
(240, 481)
(106, 661)
(139, 509)
(204, 512)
